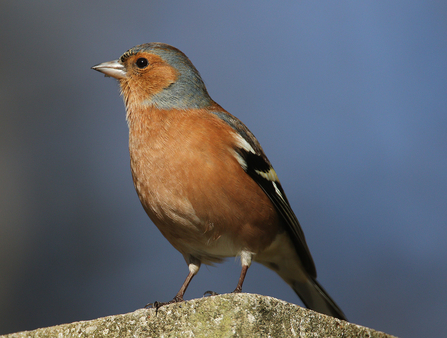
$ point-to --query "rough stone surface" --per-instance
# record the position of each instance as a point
(230, 315)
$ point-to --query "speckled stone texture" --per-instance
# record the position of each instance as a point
(230, 315)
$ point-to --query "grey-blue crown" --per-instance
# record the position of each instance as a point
(188, 91)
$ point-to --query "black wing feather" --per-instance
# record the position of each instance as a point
(257, 162)
(292, 225)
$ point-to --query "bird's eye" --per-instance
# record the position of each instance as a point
(142, 63)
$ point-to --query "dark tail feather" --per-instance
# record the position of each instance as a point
(316, 298)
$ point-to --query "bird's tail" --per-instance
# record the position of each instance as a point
(316, 298)
(283, 258)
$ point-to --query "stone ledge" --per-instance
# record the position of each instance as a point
(229, 315)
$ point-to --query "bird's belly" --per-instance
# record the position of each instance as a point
(199, 196)
(178, 221)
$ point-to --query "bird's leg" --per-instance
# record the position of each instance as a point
(246, 259)
(193, 269)
(179, 296)
(241, 279)
(239, 283)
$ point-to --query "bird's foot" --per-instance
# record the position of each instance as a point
(156, 305)
(210, 293)
(237, 290)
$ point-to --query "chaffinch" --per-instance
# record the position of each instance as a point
(203, 178)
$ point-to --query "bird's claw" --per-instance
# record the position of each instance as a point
(210, 293)
(157, 305)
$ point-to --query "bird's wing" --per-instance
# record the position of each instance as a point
(258, 167)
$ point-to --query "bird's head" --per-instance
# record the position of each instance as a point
(157, 75)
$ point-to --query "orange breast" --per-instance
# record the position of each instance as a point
(192, 186)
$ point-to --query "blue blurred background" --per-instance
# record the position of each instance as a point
(347, 98)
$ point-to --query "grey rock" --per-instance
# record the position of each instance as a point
(229, 315)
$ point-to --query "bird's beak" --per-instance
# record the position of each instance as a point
(111, 68)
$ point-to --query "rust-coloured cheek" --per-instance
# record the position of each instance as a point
(142, 84)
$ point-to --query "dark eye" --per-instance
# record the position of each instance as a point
(142, 63)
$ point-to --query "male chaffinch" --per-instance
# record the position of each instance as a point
(203, 178)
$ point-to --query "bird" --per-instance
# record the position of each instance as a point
(203, 178)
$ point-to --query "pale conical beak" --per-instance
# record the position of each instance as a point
(111, 68)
